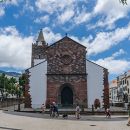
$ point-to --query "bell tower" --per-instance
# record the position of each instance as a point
(39, 50)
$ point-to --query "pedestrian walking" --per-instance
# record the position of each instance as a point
(55, 110)
(77, 112)
(108, 113)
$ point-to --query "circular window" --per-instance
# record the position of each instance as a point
(66, 59)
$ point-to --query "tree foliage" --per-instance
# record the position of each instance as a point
(10, 86)
(23, 81)
(123, 2)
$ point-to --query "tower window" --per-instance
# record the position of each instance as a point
(39, 56)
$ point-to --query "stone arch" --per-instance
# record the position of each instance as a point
(65, 89)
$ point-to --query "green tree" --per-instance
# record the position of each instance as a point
(123, 2)
(2, 84)
(8, 86)
(22, 82)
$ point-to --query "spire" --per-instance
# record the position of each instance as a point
(40, 39)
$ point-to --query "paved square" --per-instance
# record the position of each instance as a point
(37, 121)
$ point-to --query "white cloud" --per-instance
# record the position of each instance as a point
(50, 37)
(8, 2)
(105, 40)
(27, 6)
(70, 11)
(65, 10)
(120, 52)
(66, 16)
(2, 12)
(115, 66)
(51, 6)
(11, 30)
(84, 40)
(42, 19)
(82, 17)
(111, 10)
(5, 4)
(15, 50)
(15, 2)
(15, 16)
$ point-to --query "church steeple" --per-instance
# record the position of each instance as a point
(40, 39)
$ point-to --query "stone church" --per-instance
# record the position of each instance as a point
(61, 73)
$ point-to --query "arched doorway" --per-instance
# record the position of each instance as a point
(66, 96)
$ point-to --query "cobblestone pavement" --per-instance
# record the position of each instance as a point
(10, 120)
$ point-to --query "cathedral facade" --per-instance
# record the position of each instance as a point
(61, 73)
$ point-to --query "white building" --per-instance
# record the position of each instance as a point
(60, 73)
(113, 91)
(123, 83)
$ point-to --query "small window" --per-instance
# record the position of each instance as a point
(39, 56)
(120, 82)
(123, 82)
(127, 82)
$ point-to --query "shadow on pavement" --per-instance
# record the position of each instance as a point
(70, 117)
(6, 128)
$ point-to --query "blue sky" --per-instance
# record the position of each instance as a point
(103, 26)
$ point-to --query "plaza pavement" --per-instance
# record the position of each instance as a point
(10, 120)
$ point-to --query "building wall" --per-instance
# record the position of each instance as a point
(78, 85)
(128, 89)
(38, 52)
(95, 76)
(113, 89)
(124, 87)
(66, 57)
(67, 65)
(37, 61)
(37, 83)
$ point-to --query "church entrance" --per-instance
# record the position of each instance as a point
(66, 96)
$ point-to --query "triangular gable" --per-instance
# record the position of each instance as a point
(64, 38)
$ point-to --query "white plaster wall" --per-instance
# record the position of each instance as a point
(37, 61)
(94, 83)
(38, 84)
